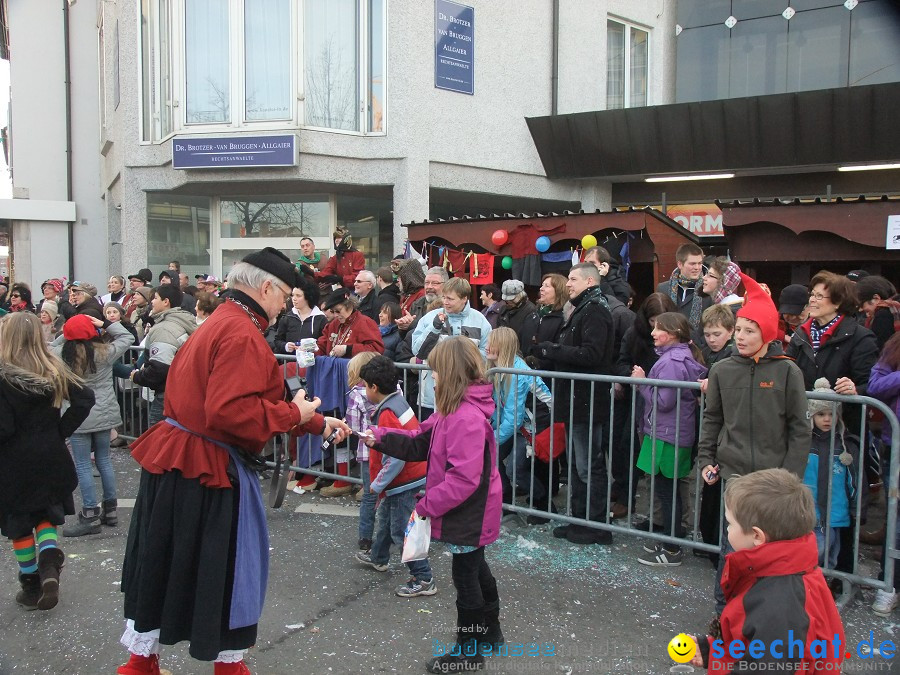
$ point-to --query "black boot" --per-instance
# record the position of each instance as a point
(88, 523)
(50, 564)
(464, 656)
(492, 637)
(109, 517)
(31, 591)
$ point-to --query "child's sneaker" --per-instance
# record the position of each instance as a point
(414, 588)
(660, 557)
(885, 601)
(366, 559)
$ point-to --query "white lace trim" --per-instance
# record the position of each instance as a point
(142, 644)
(231, 656)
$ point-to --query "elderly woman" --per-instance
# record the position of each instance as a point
(199, 500)
(206, 304)
(350, 332)
(20, 299)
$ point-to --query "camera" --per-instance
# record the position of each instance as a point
(292, 385)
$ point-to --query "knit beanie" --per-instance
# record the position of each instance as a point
(411, 276)
(821, 386)
(79, 327)
(51, 308)
(56, 284)
(116, 306)
(759, 308)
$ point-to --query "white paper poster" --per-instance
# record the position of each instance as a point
(893, 232)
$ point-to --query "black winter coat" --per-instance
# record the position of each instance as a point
(537, 329)
(36, 469)
(851, 351)
(613, 284)
(292, 329)
(585, 346)
(515, 318)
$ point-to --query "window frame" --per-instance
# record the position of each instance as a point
(237, 75)
(626, 65)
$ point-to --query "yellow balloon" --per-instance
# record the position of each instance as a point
(588, 241)
(682, 648)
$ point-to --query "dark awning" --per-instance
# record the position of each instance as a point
(811, 231)
(821, 128)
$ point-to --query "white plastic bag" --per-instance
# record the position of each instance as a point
(416, 538)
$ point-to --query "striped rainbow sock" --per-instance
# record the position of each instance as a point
(46, 536)
(26, 555)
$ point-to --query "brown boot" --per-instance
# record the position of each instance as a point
(31, 591)
(50, 564)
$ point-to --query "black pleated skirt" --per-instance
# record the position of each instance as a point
(179, 564)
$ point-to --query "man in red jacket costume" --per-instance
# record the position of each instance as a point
(196, 562)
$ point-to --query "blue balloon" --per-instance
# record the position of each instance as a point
(542, 244)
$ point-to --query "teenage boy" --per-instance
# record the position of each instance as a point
(779, 611)
(755, 416)
(399, 481)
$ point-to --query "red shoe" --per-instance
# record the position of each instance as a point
(140, 665)
(239, 668)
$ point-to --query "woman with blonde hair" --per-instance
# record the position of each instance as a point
(37, 477)
(512, 396)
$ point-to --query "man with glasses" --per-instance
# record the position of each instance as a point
(364, 288)
(196, 562)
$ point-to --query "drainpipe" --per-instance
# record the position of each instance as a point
(68, 85)
(554, 75)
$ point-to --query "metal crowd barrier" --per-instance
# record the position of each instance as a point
(613, 440)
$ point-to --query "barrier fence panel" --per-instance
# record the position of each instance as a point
(618, 453)
(593, 438)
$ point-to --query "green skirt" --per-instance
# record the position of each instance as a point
(665, 459)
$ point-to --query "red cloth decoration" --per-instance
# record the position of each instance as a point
(455, 262)
(522, 239)
(481, 269)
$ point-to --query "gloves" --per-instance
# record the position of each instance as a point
(543, 349)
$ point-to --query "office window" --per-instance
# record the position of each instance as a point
(262, 65)
(627, 65)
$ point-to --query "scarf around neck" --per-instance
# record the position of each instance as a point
(310, 261)
(676, 281)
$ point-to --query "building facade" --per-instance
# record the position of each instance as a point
(355, 84)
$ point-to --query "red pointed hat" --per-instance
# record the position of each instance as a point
(758, 307)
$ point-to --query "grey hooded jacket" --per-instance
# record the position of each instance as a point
(105, 414)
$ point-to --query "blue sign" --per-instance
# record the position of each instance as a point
(224, 152)
(454, 46)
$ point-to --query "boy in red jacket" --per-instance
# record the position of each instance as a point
(398, 481)
(778, 606)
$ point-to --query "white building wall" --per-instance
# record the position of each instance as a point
(38, 132)
(435, 139)
(39, 157)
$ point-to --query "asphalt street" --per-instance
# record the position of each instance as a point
(569, 609)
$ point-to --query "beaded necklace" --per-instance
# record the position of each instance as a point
(249, 313)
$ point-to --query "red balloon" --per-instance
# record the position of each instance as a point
(500, 237)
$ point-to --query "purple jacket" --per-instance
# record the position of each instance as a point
(675, 363)
(463, 496)
(884, 384)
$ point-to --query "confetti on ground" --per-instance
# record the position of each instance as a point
(295, 626)
(424, 611)
(672, 582)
